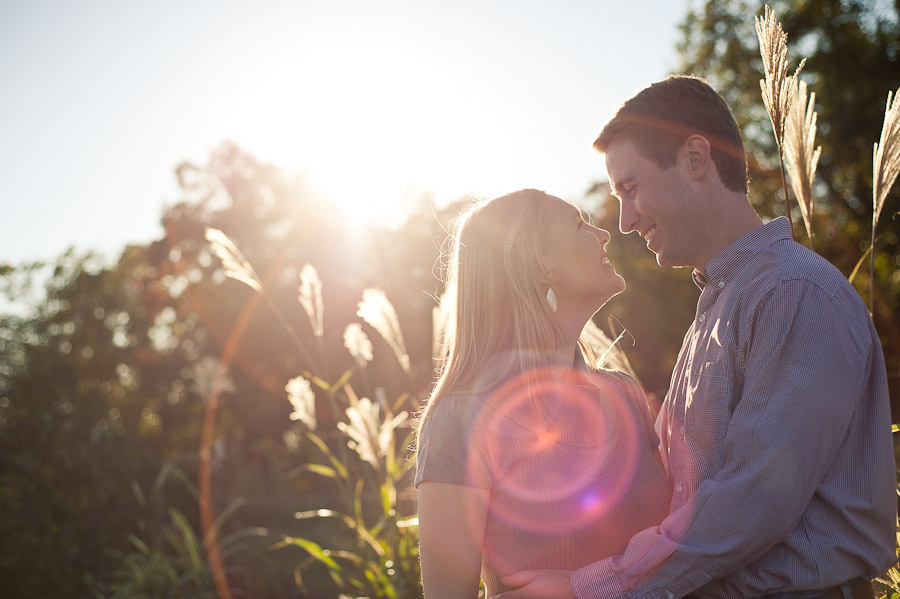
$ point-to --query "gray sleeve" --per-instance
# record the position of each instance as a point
(451, 447)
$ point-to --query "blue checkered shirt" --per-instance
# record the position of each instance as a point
(776, 434)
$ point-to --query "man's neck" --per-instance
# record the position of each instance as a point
(734, 219)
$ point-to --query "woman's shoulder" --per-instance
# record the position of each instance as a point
(615, 380)
(452, 411)
(450, 447)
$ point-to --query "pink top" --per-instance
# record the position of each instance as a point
(572, 474)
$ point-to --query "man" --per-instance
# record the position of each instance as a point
(776, 428)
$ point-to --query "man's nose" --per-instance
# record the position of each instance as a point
(628, 218)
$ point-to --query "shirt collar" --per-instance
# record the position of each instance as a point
(726, 263)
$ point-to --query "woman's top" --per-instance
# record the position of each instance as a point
(572, 473)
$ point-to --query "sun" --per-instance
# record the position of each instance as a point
(374, 126)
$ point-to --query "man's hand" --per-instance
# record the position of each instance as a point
(538, 584)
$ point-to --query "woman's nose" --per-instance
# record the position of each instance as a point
(603, 235)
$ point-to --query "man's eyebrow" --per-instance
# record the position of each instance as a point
(618, 185)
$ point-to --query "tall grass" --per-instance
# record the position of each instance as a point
(802, 156)
(374, 550)
(885, 168)
(794, 125)
(778, 87)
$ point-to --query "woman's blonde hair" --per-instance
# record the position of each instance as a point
(497, 322)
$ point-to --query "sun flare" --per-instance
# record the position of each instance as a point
(375, 127)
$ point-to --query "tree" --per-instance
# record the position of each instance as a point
(852, 49)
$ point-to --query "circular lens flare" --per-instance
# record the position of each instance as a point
(564, 447)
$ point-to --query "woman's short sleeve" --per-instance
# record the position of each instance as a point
(451, 448)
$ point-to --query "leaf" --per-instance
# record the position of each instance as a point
(319, 469)
(318, 381)
(386, 503)
(231, 508)
(141, 546)
(338, 466)
(341, 381)
(858, 264)
(229, 543)
(357, 527)
(408, 523)
(398, 403)
(190, 544)
(315, 550)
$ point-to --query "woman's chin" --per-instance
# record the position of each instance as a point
(618, 286)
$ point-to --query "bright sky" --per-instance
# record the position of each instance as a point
(101, 100)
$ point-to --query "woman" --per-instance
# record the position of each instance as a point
(529, 455)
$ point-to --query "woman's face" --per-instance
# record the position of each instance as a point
(575, 256)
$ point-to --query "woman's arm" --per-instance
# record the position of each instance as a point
(451, 533)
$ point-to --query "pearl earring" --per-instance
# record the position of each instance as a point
(551, 299)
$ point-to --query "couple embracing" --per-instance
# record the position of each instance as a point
(769, 471)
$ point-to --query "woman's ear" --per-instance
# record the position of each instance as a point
(544, 273)
(545, 277)
(697, 154)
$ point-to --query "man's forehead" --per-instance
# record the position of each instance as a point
(621, 163)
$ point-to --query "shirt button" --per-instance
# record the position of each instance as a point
(678, 488)
(721, 284)
(670, 595)
(702, 317)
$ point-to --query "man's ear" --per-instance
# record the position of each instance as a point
(696, 149)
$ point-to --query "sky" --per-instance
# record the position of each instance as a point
(370, 101)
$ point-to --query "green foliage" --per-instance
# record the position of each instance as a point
(66, 406)
(167, 557)
(853, 60)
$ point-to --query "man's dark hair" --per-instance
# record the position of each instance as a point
(660, 118)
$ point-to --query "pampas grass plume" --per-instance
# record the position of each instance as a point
(886, 162)
(357, 343)
(778, 87)
(236, 266)
(802, 158)
(885, 168)
(310, 297)
(379, 313)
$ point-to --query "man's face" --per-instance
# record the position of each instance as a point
(656, 203)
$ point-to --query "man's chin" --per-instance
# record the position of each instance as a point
(664, 262)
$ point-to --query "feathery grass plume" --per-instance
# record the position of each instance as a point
(379, 313)
(885, 168)
(236, 266)
(357, 343)
(778, 86)
(311, 298)
(211, 377)
(303, 400)
(802, 159)
(369, 437)
(605, 349)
